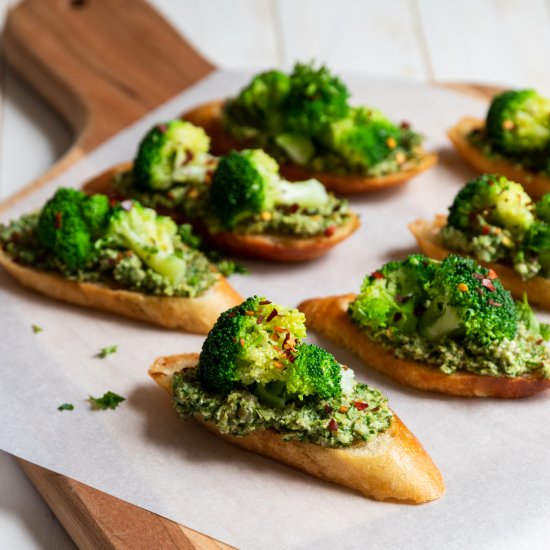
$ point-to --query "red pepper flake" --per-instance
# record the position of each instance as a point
(480, 291)
(378, 275)
(231, 315)
(333, 425)
(376, 409)
(290, 357)
(241, 341)
(162, 128)
(405, 125)
(294, 208)
(540, 341)
(58, 216)
(360, 406)
(488, 285)
(485, 230)
(493, 303)
(328, 409)
(259, 319)
(190, 155)
(113, 202)
(279, 329)
(478, 276)
(492, 274)
(265, 303)
(272, 315)
(330, 230)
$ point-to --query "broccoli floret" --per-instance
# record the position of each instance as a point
(68, 224)
(467, 300)
(518, 121)
(96, 211)
(248, 183)
(542, 208)
(364, 138)
(537, 241)
(258, 106)
(151, 237)
(316, 99)
(393, 295)
(258, 345)
(491, 199)
(165, 152)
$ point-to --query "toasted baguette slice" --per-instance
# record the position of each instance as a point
(264, 247)
(209, 117)
(427, 236)
(196, 315)
(394, 465)
(329, 317)
(535, 184)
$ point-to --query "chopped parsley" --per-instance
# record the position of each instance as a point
(109, 400)
(36, 329)
(65, 407)
(104, 352)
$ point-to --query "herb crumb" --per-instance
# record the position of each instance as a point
(104, 352)
(36, 329)
(109, 400)
(65, 407)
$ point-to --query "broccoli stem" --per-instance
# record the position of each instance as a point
(308, 194)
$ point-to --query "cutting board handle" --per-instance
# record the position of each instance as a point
(100, 63)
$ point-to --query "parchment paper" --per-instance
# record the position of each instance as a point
(493, 454)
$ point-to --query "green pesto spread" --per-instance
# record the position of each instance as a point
(526, 354)
(334, 422)
(191, 201)
(535, 164)
(110, 264)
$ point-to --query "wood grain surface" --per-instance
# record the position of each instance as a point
(94, 67)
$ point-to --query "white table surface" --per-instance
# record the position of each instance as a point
(502, 42)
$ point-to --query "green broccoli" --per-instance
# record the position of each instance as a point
(537, 241)
(529, 319)
(393, 295)
(258, 345)
(316, 99)
(491, 200)
(518, 121)
(248, 183)
(364, 138)
(166, 153)
(542, 208)
(258, 106)
(151, 237)
(467, 300)
(69, 222)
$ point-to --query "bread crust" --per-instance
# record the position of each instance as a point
(209, 117)
(393, 466)
(329, 317)
(264, 247)
(535, 184)
(196, 315)
(427, 236)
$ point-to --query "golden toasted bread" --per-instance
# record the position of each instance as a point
(264, 247)
(329, 317)
(429, 241)
(208, 116)
(535, 184)
(393, 466)
(189, 314)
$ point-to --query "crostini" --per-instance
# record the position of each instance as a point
(124, 259)
(493, 220)
(296, 404)
(305, 121)
(513, 140)
(239, 203)
(445, 326)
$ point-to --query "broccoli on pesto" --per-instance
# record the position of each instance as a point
(517, 127)
(453, 314)
(83, 238)
(305, 118)
(256, 373)
(493, 219)
(241, 192)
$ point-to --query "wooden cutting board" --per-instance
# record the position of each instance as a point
(102, 64)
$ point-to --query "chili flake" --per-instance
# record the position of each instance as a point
(488, 284)
(272, 315)
(360, 406)
(333, 425)
(378, 275)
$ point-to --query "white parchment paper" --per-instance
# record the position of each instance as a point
(493, 454)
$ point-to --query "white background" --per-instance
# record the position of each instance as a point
(494, 41)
